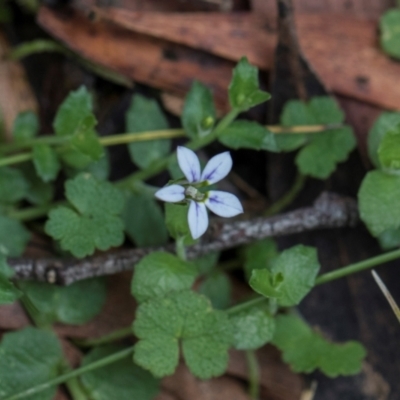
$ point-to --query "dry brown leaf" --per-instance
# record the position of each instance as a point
(154, 62)
(357, 8)
(343, 50)
(13, 316)
(185, 386)
(15, 92)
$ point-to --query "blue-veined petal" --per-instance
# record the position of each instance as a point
(171, 194)
(189, 164)
(197, 219)
(217, 168)
(223, 204)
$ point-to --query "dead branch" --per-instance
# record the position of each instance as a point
(328, 211)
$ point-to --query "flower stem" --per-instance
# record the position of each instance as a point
(246, 304)
(180, 248)
(111, 337)
(72, 374)
(254, 375)
(288, 197)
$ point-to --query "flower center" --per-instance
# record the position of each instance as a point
(194, 194)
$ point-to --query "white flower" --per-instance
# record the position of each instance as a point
(221, 203)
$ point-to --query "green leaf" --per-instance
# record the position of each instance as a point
(26, 126)
(322, 151)
(28, 358)
(389, 149)
(159, 274)
(390, 32)
(144, 221)
(187, 319)
(75, 304)
(389, 239)
(39, 192)
(248, 135)
(306, 350)
(198, 115)
(294, 113)
(206, 263)
(319, 158)
(385, 122)
(252, 328)
(85, 139)
(291, 276)
(244, 91)
(94, 222)
(146, 115)
(75, 108)
(260, 255)
(100, 169)
(8, 292)
(217, 288)
(378, 200)
(46, 162)
(177, 222)
(13, 236)
(13, 186)
(122, 380)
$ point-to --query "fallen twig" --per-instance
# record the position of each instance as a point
(328, 211)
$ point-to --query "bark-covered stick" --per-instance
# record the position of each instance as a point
(328, 211)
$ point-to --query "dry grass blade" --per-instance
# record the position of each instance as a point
(387, 294)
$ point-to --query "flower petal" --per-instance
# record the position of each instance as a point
(217, 168)
(223, 204)
(172, 193)
(189, 164)
(197, 219)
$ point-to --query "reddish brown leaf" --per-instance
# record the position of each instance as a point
(15, 93)
(343, 50)
(151, 61)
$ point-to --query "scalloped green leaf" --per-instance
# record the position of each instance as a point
(159, 274)
(94, 219)
(183, 319)
(306, 350)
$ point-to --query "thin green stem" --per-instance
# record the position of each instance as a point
(76, 390)
(288, 197)
(328, 277)
(37, 46)
(358, 267)
(246, 304)
(72, 374)
(124, 138)
(254, 374)
(18, 158)
(162, 164)
(30, 213)
(111, 337)
(51, 140)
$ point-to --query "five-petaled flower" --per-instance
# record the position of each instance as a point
(221, 203)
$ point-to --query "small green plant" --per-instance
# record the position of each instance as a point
(173, 319)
